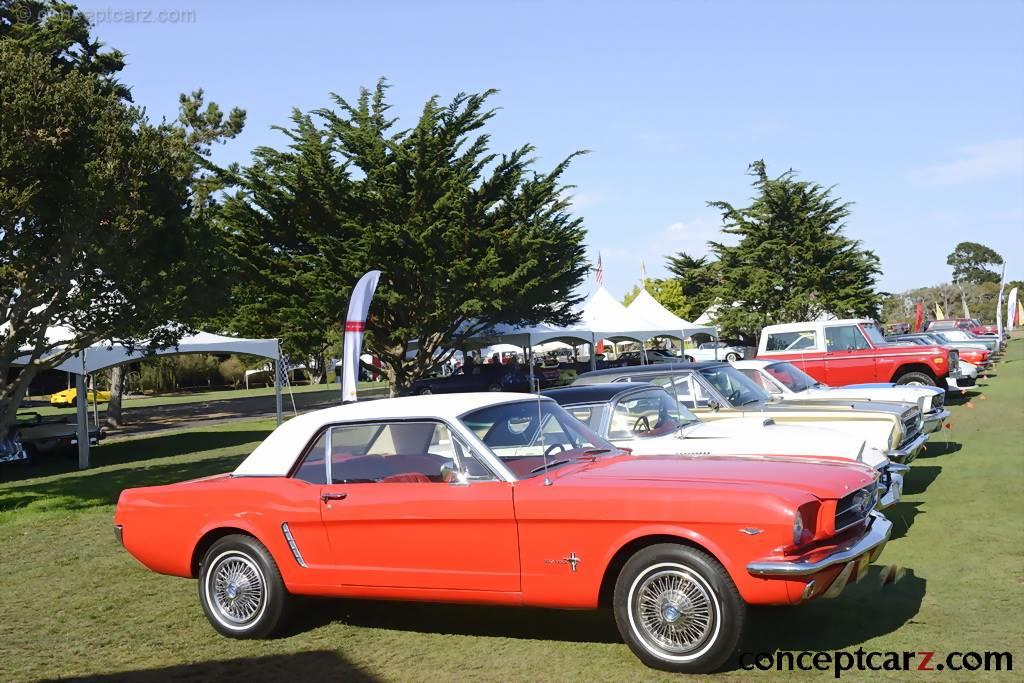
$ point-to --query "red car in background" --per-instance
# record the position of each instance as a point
(971, 325)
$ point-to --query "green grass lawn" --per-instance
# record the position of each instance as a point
(201, 397)
(75, 605)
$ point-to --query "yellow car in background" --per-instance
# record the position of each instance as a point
(68, 396)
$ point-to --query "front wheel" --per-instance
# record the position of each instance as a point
(678, 610)
(241, 590)
(495, 387)
(689, 359)
(916, 379)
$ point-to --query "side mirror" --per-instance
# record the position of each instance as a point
(713, 404)
(453, 476)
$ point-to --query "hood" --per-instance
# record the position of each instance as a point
(825, 480)
(758, 436)
(829, 409)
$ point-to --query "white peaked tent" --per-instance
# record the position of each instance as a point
(647, 307)
(102, 356)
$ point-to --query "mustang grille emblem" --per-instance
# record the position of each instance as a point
(572, 561)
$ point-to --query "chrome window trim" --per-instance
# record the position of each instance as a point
(487, 458)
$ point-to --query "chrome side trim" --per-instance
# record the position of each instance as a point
(291, 544)
(876, 536)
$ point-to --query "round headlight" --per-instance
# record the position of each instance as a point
(798, 527)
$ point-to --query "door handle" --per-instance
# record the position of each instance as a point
(327, 497)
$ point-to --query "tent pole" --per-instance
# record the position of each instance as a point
(83, 418)
(277, 390)
(95, 400)
(529, 363)
(593, 352)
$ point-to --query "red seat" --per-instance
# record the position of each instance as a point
(407, 477)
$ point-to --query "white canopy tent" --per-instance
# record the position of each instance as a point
(102, 356)
(647, 307)
(602, 316)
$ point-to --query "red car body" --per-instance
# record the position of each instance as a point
(966, 324)
(558, 540)
(815, 348)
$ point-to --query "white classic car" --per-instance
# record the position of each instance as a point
(789, 383)
(647, 420)
(715, 350)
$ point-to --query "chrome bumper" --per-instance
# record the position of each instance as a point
(874, 540)
(893, 493)
(934, 420)
(908, 452)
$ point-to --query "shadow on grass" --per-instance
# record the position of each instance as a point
(935, 449)
(587, 626)
(902, 516)
(864, 611)
(961, 397)
(919, 478)
(98, 486)
(302, 666)
(137, 450)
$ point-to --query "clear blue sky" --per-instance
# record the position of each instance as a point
(914, 110)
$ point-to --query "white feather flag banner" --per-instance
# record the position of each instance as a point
(355, 326)
(1011, 310)
(999, 303)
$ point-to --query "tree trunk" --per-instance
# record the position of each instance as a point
(114, 415)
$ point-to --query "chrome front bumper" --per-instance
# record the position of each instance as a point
(934, 420)
(891, 495)
(907, 452)
(871, 542)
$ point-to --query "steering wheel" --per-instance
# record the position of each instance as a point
(734, 396)
(550, 450)
(642, 421)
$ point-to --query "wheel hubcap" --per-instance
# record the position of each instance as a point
(237, 589)
(674, 612)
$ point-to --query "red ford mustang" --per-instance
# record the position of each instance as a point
(506, 499)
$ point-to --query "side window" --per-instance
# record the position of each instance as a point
(589, 415)
(689, 392)
(389, 452)
(802, 340)
(650, 413)
(845, 338)
(760, 380)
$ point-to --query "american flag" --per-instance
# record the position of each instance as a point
(599, 271)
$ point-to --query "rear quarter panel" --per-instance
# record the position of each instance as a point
(162, 525)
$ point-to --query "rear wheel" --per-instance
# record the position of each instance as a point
(677, 609)
(241, 590)
(425, 391)
(916, 379)
(689, 359)
(732, 357)
(495, 387)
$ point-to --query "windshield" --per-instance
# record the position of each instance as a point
(531, 436)
(873, 333)
(734, 386)
(793, 377)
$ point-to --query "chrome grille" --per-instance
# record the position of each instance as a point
(854, 508)
(911, 425)
(938, 401)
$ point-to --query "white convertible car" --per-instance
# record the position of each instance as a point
(715, 350)
(789, 383)
(647, 420)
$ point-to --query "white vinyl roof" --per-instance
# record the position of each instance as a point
(279, 451)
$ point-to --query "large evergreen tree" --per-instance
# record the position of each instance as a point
(791, 260)
(103, 215)
(974, 263)
(465, 238)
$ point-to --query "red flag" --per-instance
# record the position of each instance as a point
(918, 318)
(599, 271)
(600, 346)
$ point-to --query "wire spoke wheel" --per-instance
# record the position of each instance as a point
(674, 611)
(237, 589)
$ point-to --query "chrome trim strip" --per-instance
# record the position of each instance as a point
(877, 535)
(291, 544)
